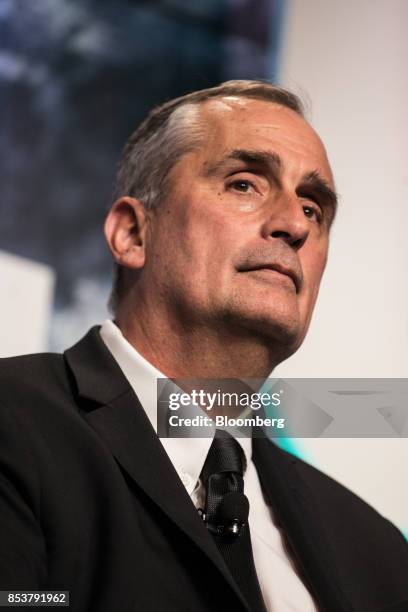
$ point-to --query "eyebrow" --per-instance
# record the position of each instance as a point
(273, 164)
(319, 185)
(263, 159)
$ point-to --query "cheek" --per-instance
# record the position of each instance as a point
(313, 267)
(187, 258)
(208, 240)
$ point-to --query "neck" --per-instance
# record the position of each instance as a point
(184, 350)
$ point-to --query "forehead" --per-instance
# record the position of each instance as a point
(236, 123)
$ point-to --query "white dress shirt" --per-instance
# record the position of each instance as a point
(282, 589)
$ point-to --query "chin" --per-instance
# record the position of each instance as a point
(281, 328)
(284, 333)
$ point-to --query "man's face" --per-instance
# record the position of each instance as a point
(239, 243)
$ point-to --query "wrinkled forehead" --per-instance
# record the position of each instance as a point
(232, 120)
(226, 110)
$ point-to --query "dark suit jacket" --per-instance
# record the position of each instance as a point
(89, 502)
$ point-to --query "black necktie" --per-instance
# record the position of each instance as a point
(226, 513)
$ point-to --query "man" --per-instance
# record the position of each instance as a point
(220, 235)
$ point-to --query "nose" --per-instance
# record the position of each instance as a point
(287, 221)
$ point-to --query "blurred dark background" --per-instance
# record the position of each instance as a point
(76, 77)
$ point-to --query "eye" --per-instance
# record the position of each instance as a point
(242, 185)
(309, 211)
(313, 212)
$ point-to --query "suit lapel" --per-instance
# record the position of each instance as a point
(113, 410)
(293, 503)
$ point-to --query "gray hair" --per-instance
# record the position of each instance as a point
(169, 132)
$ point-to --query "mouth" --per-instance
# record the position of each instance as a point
(278, 269)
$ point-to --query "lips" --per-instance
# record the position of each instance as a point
(277, 267)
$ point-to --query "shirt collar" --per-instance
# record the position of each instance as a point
(187, 454)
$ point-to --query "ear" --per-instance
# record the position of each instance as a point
(125, 232)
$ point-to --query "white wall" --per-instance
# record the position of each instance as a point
(26, 298)
(351, 59)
